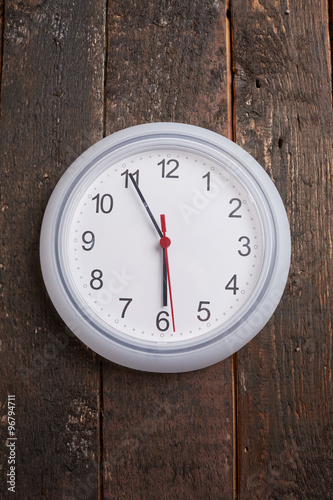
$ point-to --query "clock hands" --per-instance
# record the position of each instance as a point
(152, 218)
(165, 242)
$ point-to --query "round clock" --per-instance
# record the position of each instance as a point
(165, 247)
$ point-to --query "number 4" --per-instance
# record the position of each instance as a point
(232, 284)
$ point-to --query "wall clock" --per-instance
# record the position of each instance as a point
(165, 247)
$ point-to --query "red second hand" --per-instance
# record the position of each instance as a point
(165, 242)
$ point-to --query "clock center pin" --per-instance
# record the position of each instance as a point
(165, 242)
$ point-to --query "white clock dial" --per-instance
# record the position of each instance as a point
(143, 300)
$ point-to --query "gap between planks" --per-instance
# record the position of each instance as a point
(231, 134)
(101, 468)
(106, 54)
(2, 31)
(330, 31)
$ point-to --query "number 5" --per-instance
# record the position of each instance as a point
(206, 316)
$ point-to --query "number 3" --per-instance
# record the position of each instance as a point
(245, 245)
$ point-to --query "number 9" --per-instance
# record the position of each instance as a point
(88, 238)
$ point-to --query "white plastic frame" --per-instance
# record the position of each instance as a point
(184, 356)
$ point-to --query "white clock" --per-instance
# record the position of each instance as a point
(165, 247)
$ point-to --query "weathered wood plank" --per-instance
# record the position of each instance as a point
(284, 118)
(167, 436)
(1, 38)
(52, 109)
(167, 62)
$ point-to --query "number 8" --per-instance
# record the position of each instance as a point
(96, 278)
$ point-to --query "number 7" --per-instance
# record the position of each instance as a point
(128, 301)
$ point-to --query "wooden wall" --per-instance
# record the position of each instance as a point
(258, 425)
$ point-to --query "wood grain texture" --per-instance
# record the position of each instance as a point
(167, 436)
(330, 27)
(51, 110)
(284, 118)
(167, 62)
(1, 42)
(74, 71)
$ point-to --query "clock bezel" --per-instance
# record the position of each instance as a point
(183, 355)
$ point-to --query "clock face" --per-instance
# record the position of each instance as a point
(159, 247)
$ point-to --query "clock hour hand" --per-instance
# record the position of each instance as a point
(152, 218)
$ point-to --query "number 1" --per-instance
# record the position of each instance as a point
(208, 180)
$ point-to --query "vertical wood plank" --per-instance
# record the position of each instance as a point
(167, 62)
(1, 41)
(52, 109)
(284, 119)
(330, 28)
(167, 436)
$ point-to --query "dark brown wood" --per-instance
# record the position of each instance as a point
(52, 109)
(1, 42)
(330, 27)
(74, 71)
(284, 118)
(167, 62)
(167, 436)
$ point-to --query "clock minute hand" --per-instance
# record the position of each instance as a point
(152, 218)
(131, 176)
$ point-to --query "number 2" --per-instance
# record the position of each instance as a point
(233, 212)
